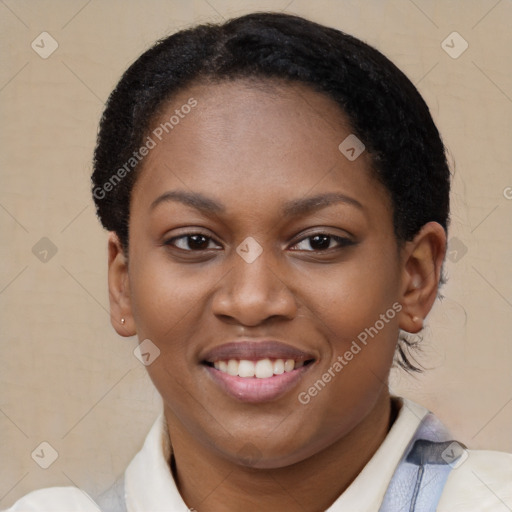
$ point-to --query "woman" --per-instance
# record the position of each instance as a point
(277, 197)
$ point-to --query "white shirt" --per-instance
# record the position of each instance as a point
(482, 483)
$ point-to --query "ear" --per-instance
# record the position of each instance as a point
(119, 288)
(423, 260)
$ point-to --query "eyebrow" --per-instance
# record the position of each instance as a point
(305, 205)
(294, 208)
(193, 199)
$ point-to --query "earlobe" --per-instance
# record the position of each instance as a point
(119, 288)
(422, 262)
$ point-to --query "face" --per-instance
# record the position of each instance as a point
(264, 267)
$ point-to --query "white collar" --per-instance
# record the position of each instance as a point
(366, 492)
(149, 484)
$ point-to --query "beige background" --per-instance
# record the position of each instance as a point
(67, 378)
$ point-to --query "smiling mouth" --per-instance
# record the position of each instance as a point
(257, 369)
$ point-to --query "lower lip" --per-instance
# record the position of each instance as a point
(254, 390)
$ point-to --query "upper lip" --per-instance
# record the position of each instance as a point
(250, 349)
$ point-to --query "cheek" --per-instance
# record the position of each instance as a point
(356, 309)
(358, 313)
(360, 324)
(353, 296)
(164, 297)
(168, 308)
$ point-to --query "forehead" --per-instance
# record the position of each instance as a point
(252, 139)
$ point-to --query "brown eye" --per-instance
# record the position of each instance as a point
(322, 242)
(319, 242)
(197, 242)
(192, 242)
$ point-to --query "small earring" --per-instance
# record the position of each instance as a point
(416, 319)
(123, 321)
(416, 281)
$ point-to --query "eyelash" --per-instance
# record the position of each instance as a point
(341, 241)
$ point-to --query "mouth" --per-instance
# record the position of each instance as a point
(257, 371)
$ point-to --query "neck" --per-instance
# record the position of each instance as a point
(210, 483)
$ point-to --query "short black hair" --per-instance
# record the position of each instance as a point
(385, 110)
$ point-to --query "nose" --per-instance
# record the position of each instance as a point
(252, 293)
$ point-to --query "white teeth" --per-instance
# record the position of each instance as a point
(246, 368)
(289, 365)
(232, 368)
(278, 366)
(261, 369)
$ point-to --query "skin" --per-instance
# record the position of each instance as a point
(252, 148)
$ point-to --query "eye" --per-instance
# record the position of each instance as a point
(321, 242)
(192, 242)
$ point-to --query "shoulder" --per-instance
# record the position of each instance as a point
(483, 482)
(55, 499)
